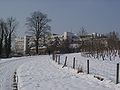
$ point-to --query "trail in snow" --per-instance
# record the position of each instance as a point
(7, 68)
(43, 74)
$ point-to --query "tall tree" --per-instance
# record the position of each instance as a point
(1, 35)
(38, 26)
(10, 28)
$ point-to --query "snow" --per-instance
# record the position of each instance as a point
(44, 74)
(105, 68)
(7, 69)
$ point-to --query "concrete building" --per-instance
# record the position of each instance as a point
(68, 35)
(22, 44)
(27, 41)
(19, 45)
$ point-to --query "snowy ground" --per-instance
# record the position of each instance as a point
(105, 68)
(43, 74)
(7, 69)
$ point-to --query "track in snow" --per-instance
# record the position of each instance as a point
(7, 68)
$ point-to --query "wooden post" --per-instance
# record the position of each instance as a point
(65, 64)
(117, 74)
(87, 66)
(74, 63)
(59, 59)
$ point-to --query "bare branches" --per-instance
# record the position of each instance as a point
(11, 24)
(7, 29)
(38, 26)
(82, 32)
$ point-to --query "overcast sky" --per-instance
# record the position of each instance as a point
(67, 15)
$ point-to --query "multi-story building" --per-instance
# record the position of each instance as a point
(19, 45)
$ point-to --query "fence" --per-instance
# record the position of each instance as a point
(96, 67)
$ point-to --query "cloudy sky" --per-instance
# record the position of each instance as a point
(67, 15)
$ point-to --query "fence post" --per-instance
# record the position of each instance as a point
(15, 81)
(117, 74)
(65, 63)
(74, 63)
(59, 59)
(56, 58)
(87, 66)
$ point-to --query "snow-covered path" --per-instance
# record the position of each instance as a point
(43, 74)
(7, 69)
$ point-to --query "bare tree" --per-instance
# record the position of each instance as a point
(81, 35)
(38, 26)
(10, 27)
(82, 32)
(1, 35)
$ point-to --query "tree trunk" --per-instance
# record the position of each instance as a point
(37, 44)
(0, 47)
(9, 45)
(6, 46)
(1, 43)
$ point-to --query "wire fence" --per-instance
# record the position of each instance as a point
(99, 68)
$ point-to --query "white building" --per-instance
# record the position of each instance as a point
(27, 40)
(21, 44)
(68, 35)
